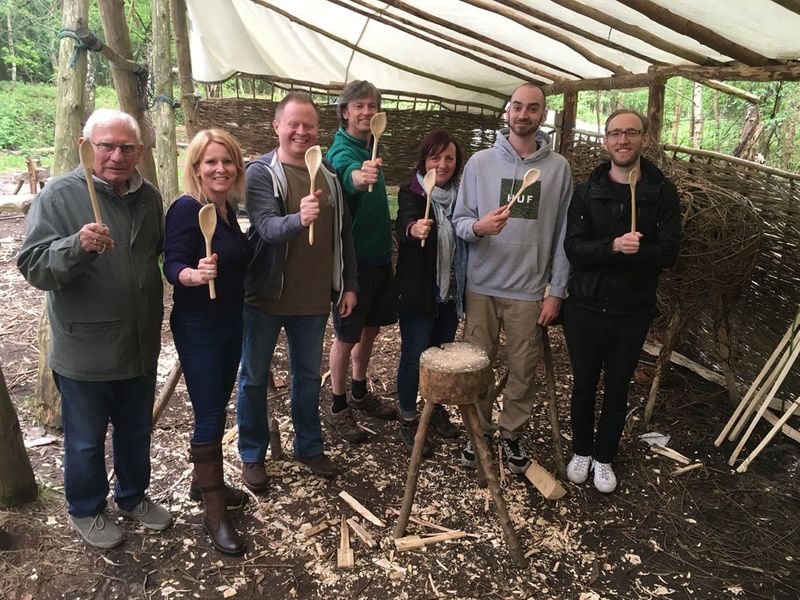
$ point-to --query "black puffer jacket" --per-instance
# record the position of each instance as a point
(600, 211)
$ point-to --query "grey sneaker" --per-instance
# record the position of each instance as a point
(99, 531)
(345, 425)
(149, 514)
(516, 458)
(373, 405)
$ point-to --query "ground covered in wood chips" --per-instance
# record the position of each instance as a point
(709, 533)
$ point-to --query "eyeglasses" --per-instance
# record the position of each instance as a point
(628, 133)
(108, 148)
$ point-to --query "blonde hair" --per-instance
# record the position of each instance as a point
(195, 153)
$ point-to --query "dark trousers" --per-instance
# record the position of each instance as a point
(86, 409)
(209, 349)
(418, 332)
(612, 344)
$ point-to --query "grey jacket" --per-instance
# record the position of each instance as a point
(105, 309)
(271, 229)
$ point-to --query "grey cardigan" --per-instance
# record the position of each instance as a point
(271, 228)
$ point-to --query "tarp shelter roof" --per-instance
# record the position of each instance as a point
(329, 42)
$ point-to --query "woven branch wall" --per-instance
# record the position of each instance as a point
(251, 122)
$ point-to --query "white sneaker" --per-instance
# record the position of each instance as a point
(604, 479)
(578, 468)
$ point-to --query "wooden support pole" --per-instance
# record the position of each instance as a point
(126, 85)
(655, 108)
(166, 158)
(71, 86)
(167, 391)
(552, 405)
(568, 118)
(775, 429)
(188, 100)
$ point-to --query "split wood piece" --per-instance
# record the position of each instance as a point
(775, 429)
(412, 542)
(344, 556)
(377, 125)
(207, 217)
(547, 485)
(428, 183)
(747, 403)
(423, 522)
(361, 509)
(773, 390)
(313, 161)
(633, 178)
(670, 453)
(552, 406)
(362, 533)
(683, 470)
(86, 152)
(531, 176)
(312, 531)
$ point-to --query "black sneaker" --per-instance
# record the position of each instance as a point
(408, 432)
(516, 458)
(468, 453)
(440, 423)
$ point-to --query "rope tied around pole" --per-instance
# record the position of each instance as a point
(95, 44)
(167, 100)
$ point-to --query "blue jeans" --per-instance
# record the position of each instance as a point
(209, 349)
(418, 332)
(86, 409)
(305, 334)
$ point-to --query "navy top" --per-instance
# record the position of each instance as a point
(184, 246)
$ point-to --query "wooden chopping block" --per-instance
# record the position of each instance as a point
(453, 374)
(547, 485)
(344, 555)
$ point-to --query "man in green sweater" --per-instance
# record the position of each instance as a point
(350, 154)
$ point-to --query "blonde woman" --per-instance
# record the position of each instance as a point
(208, 333)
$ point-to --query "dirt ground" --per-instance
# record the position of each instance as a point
(709, 533)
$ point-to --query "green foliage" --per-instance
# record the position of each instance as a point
(27, 116)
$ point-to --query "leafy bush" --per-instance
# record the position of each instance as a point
(27, 115)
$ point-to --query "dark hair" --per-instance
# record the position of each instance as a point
(434, 143)
(353, 91)
(628, 111)
(298, 97)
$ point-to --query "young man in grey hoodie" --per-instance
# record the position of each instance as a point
(514, 254)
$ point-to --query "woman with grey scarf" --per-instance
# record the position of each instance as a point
(430, 279)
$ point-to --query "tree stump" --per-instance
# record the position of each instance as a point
(17, 484)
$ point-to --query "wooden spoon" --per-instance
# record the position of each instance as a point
(87, 162)
(208, 223)
(428, 183)
(313, 161)
(530, 177)
(633, 177)
(377, 125)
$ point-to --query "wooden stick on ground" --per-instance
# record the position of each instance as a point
(670, 453)
(361, 509)
(167, 391)
(362, 533)
(412, 542)
(683, 470)
(344, 556)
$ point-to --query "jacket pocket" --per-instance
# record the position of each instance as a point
(92, 328)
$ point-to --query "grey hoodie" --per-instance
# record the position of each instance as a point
(528, 253)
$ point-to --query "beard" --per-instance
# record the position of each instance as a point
(629, 160)
(524, 129)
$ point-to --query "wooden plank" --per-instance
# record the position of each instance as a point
(344, 555)
(413, 542)
(547, 485)
(362, 533)
(361, 509)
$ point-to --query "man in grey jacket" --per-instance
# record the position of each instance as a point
(105, 304)
(290, 285)
(514, 255)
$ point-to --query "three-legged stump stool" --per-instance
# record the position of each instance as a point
(456, 374)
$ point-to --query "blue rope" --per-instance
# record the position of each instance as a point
(173, 103)
(79, 45)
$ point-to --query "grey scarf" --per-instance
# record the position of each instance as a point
(442, 202)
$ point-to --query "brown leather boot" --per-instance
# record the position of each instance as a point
(207, 459)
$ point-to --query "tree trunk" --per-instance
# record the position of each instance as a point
(751, 132)
(166, 145)
(117, 37)
(697, 115)
(185, 67)
(17, 484)
(12, 56)
(71, 86)
(717, 132)
(790, 132)
(47, 402)
(676, 125)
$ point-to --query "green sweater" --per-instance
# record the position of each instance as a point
(372, 227)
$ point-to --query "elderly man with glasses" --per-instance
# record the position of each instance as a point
(105, 303)
(612, 289)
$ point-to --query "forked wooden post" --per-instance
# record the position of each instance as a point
(456, 374)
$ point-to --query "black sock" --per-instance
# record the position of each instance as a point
(339, 402)
(358, 388)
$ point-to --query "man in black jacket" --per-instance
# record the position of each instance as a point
(612, 290)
